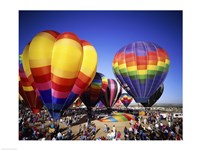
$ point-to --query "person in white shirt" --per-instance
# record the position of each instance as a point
(145, 120)
(114, 129)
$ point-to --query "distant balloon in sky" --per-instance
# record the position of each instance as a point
(140, 68)
(155, 97)
(78, 102)
(126, 99)
(118, 103)
(99, 105)
(62, 67)
(111, 92)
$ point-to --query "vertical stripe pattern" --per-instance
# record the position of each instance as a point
(111, 92)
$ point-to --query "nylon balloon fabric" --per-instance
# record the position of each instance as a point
(92, 95)
(126, 99)
(31, 98)
(140, 68)
(111, 92)
(155, 97)
(62, 66)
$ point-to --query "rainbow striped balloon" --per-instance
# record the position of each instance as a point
(92, 95)
(118, 117)
(140, 68)
(111, 92)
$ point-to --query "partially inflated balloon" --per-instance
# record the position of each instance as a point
(92, 95)
(154, 98)
(111, 92)
(126, 99)
(140, 68)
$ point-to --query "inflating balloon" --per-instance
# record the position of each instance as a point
(141, 68)
(154, 98)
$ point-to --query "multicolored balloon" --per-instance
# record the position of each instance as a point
(92, 95)
(22, 96)
(78, 102)
(154, 98)
(62, 67)
(126, 99)
(140, 68)
(31, 98)
(118, 103)
(111, 92)
(99, 105)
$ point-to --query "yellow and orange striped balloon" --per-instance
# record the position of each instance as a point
(62, 67)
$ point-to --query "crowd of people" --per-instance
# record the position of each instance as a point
(42, 127)
(151, 128)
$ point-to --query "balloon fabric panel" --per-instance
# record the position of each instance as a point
(92, 95)
(40, 53)
(126, 99)
(61, 66)
(141, 67)
(33, 101)
(112, 93)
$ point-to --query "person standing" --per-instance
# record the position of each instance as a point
(118, 135)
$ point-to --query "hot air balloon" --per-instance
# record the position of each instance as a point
(62, 67)
(140, 68)
(77, 102)
(31, 98)
(22, 95)
(118, 103)
(154, 98)
(126, 99)
(92, 95)
(99, 105)
(111, 92)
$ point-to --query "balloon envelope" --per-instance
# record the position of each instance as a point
(31, 98)
(111, 92)
(154, 98)
(92, 95)
(62, 67)
(140, 68)
(77, 102)
(126, 99)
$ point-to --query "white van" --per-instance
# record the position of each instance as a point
(178, 115)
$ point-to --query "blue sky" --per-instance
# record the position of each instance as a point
(108, 31)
